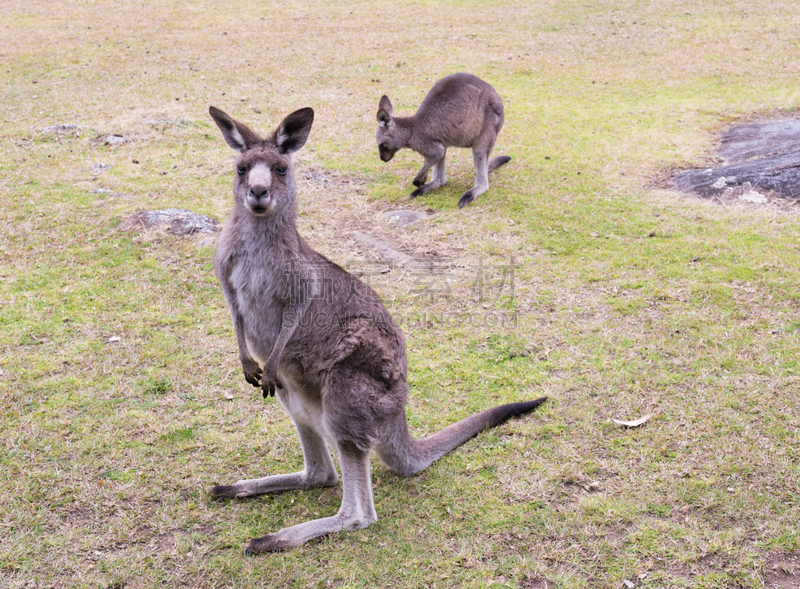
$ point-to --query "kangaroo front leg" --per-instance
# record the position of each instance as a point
(422, 175)
(318, 472)
(357, 510)
(439, 177)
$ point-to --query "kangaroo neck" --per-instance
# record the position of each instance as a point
(275, 234)
(405, 128)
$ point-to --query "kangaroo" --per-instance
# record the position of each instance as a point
(460, 110)
(320, 340)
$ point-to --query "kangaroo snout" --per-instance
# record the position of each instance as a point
(257, 191)
(258, 199)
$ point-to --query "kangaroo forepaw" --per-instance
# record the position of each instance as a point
(418, 182)
(252, 372)
(269, 385)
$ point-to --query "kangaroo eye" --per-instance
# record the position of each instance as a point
(240, 171)
(280, 171)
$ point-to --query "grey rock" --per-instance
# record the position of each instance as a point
(98, 168)
(383, 249)
(750, 140)
(403, 218)
(113, 139)
(63, 129)
(177, 221)
(761, 158)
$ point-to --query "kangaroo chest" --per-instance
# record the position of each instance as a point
(262, 294)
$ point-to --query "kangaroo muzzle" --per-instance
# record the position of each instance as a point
(259, 200)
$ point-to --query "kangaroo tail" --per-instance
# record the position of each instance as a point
(405, 455)
(498, 161)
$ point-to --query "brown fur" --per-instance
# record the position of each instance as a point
(328, 346)
(460, 110)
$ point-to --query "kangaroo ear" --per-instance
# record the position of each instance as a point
(237, 135)
(385, 104)
(384, 118)
(293, 131)
(384, 111)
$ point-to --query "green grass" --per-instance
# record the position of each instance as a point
(626, 299)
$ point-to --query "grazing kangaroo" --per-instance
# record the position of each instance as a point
(329, 348)
(460, 110)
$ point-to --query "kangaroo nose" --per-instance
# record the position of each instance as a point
(257, 191)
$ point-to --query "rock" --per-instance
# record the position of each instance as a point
(112, 139)
(177, 221)
(747, 141)
(403, 218)
(98, 168)
(383, 249)
(63, 129)
(761, 160)
(754, 197)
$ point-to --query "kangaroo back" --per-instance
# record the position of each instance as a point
(458, 109)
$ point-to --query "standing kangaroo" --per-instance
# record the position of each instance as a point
(460, 110)
(329, 348)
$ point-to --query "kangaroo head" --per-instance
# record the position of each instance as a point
(388, 136)
(264, 182)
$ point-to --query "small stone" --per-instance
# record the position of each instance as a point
(754, 197)
(114, 339)
(114, 139)
(403, 218)
(98, 168)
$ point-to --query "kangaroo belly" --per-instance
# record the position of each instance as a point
(458, 130)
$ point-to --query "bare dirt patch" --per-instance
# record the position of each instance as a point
(782, 571)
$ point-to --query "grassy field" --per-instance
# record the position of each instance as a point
(577, 276)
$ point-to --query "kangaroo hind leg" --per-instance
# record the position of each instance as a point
(480, 155)
(357, 510)
(318, 472)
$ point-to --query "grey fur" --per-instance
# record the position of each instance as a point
(460, 110)
(328, 346)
